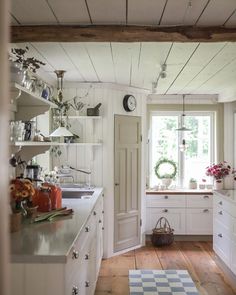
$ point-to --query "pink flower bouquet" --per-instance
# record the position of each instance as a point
(218, 171)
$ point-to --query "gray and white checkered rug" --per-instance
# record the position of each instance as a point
(161, 282)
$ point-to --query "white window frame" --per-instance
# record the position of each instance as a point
(211, 114)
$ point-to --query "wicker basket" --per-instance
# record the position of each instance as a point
(162, 234)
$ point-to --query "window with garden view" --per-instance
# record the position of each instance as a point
(165, 141)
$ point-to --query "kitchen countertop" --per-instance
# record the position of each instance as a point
(179, 192)
(51, 242)
(229, 195)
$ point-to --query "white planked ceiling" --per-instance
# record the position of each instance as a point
(130, 12)
(192, 68)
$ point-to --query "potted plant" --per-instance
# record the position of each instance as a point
(192, 183)
(22, 66)
(166, 170)
(218, 172)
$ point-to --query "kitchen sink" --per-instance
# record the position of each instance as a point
(72, 185)
(77, 194)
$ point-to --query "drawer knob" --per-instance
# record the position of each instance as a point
(99, 221)
(86, 257)
(75, 290)
(87, 284)
(206, 197)
(221, 213)
(166, 197)
(94, 213)
(220, 235)
(87, 229)
(165, 210)
(102, 211)
(206, 210)
(103, 228)
(75, 254)
(220, 203)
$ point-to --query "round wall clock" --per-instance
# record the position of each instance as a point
(129, 103)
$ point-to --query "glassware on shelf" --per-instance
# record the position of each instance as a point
(30, 130)
(17, 131)
(16, 72)
(47, 91)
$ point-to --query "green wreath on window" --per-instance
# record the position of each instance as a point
(159, 165)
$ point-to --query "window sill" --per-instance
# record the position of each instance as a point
(179, 192)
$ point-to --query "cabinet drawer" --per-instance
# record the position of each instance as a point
(221, 242)
(165, 200)
(199, 201)
(76, 277)
(222, 217)
(175, 216)
(225, 205)
(199, 221)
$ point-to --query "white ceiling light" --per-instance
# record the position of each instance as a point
(182, 124)
(183, 146)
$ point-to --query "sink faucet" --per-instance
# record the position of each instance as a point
(85, 172)
(80, 170)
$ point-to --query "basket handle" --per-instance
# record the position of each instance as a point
(166, 223)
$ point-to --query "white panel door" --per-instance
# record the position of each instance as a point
(127, 181)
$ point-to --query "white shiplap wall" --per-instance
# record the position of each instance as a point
(229, 140)
(102, 161)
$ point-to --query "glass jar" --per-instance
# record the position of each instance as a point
(43, 200)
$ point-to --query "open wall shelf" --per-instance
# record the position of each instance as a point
(41, 143)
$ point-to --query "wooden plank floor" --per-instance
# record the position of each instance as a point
(197, 257)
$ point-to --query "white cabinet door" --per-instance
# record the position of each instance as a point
(233, 257)
(199, 221)
(175, 216)
(224, 218)
(99, 235)
(221, 242)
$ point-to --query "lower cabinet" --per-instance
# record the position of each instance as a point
(199, 221)
(186, 213)
(224, 226)
(221, 242)
(77, 276)
(175, 216)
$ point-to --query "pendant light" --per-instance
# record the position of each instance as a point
(61, 131)
(183, 146)
(182, 125)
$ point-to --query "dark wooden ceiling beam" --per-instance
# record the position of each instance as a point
(58, 33)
